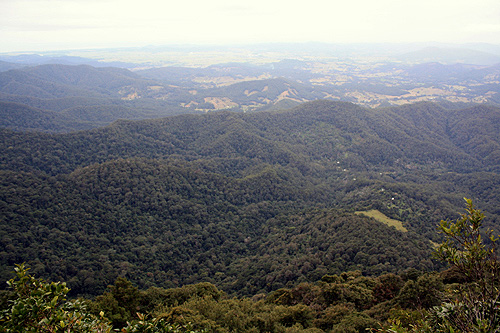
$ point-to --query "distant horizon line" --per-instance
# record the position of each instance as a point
(249, 44)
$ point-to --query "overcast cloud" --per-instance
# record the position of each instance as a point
(62, 24)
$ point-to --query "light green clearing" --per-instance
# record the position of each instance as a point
(384, 219)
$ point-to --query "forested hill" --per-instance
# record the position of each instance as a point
(62, 98)
(421, 136)
(57, 81)
(249, 201)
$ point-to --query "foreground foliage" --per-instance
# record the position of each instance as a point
(473, 304)
(476, 305)
(463, 298)
(39, 306)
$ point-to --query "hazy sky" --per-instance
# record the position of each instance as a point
(62, 24)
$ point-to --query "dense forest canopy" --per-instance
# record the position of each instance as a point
(251, 202)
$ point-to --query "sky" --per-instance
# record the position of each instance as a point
(44, 25)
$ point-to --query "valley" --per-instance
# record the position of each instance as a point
(187, 79)
(278, 195)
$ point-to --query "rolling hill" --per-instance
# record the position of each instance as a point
(57, 81)
(89, 97)
(79, 97)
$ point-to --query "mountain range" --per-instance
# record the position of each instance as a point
(64, 98)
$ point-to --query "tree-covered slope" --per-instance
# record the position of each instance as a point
(172, 224)
(25, 118)
(81, 97)
(326, 132)
(57, 81)
(249, 201)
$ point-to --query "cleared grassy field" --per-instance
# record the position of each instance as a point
(384, 219)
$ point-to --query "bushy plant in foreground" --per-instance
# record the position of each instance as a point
(40, 306)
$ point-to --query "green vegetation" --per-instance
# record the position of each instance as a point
(183, 225)
(202, 219)
(470, 303)
(475, 307)
(62, 98)
(384, 219)
(463, 298)
(249, 202)
(39, 306)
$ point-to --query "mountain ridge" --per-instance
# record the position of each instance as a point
(352, 126)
